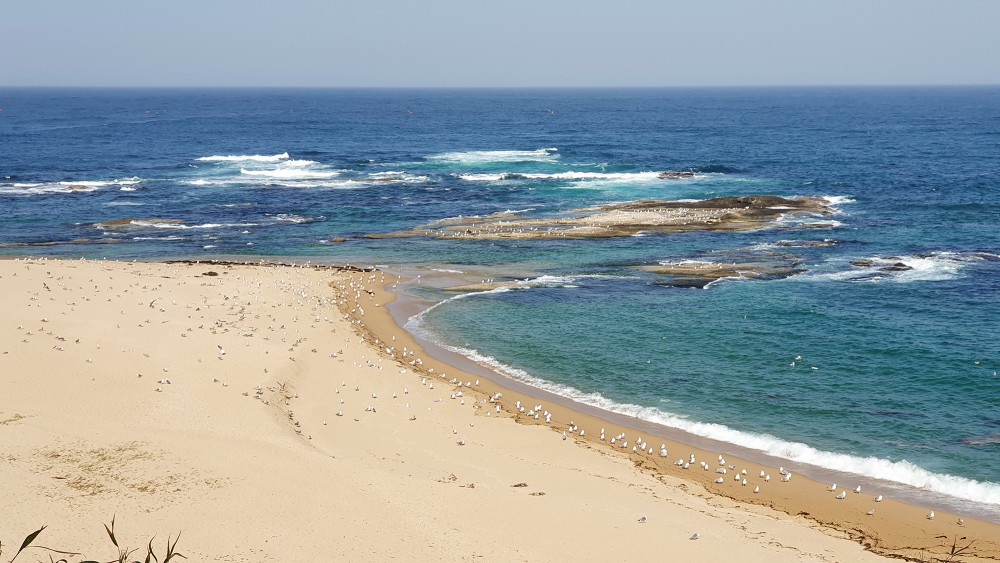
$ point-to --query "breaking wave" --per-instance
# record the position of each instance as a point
(570, 176)
(244, 158)
(902, 472)
(481, 157)
(935, 266)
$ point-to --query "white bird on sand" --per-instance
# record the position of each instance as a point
(961, 521)
(842, 495)
(931, 515)
(720, 480)
(857, 489)
(871, 512)
(832, 487)
(878, 498)
(756, 489)
(787, 477)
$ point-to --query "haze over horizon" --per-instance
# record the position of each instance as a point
(446, 43)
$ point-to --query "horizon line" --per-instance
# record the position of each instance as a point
(530, 87)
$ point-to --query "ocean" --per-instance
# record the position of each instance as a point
(873, 350)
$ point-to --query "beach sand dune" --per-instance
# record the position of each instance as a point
(267, 413)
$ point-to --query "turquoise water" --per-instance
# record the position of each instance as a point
(904, 387)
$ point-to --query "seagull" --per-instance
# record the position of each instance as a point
(931, 515)
(832, 487)
(842, 495)
(720, 480)
(857, 489)
(695, 536)
(871, 512)
(961, 521)
(878, 498)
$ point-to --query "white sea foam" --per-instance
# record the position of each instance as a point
(295, 173)
(345, 184)
(44, 189)
(397, 177)
(66, 187)
(937, 266)
(103, 183)
(902, 472)
(298, 163)
(807, 220)
(837, 200)
(292, 218)
(480, 157)
(568, 176)
(169, 225)
(245, 158)
(172, 237)
(306, 177)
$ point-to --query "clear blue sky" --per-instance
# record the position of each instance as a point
(511, 43)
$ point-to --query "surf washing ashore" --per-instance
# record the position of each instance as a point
(279, 412)
(798, 278)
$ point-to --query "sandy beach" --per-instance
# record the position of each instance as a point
(278, 413)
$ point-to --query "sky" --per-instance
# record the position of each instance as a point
(513, 43)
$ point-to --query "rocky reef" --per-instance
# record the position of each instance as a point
(625, 219)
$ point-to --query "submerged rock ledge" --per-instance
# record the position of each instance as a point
(700, 274)
(624, 219)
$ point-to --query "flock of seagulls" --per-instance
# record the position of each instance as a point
(494, 403)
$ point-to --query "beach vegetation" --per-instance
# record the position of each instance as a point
(957, 550)
(123, 555)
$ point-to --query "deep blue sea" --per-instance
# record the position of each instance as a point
(850, 364)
